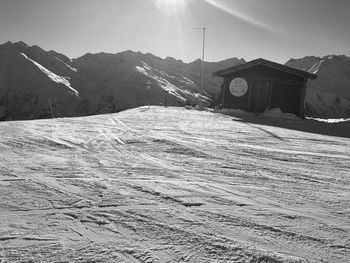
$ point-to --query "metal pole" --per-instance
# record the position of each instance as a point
(202, 66)
(165, 98)
(149, 83)
(51, 109)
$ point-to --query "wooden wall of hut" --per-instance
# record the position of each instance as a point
(267, 88)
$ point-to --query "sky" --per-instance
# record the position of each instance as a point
(272, 29)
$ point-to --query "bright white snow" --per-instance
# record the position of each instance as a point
(172, 185)
(166, 85)
(331, 120)
(68, 66)
(162, 82)
(315, 68)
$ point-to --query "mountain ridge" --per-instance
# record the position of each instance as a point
(107, 82)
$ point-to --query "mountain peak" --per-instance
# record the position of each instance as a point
(8, 47)
(6, 44)
(20, 44)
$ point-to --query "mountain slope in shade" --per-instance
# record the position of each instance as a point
(130, 79)
(329, 95)
(31, 79)
(53, 76)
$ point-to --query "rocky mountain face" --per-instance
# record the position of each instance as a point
(27, 89)
(35, 83)
(130, 79)
(329, 95)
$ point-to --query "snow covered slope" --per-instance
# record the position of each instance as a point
(170, 185)
(329, 95)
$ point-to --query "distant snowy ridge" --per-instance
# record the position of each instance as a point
(114, 82)
(54, 77)
(68, 66)
(153, 73)
(105, 82)
(315, 68)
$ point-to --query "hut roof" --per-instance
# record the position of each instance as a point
(267, 63)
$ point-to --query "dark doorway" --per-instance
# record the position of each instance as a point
(260, 96)
(285, 95)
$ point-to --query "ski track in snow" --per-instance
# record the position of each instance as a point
(54, 77)
(171, 185)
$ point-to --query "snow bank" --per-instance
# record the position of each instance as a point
(330, 120)
(235, 112)
(273, 113)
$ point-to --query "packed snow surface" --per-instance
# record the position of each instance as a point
(54, 77)
(172, 185)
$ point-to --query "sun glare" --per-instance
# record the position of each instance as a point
(241, 15)
(171, 7)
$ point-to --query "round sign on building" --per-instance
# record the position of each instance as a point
(238, 87)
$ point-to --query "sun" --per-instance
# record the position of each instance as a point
(171, 7)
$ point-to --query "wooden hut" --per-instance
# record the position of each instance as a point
(260, 85)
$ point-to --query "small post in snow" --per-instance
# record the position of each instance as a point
(202, 65)
(149, 88)
(165, 97)
(51, 109)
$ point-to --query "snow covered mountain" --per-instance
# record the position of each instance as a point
(329, 95)
(35, 83)
(130, 79)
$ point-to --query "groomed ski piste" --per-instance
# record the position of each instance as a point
(174, 185)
